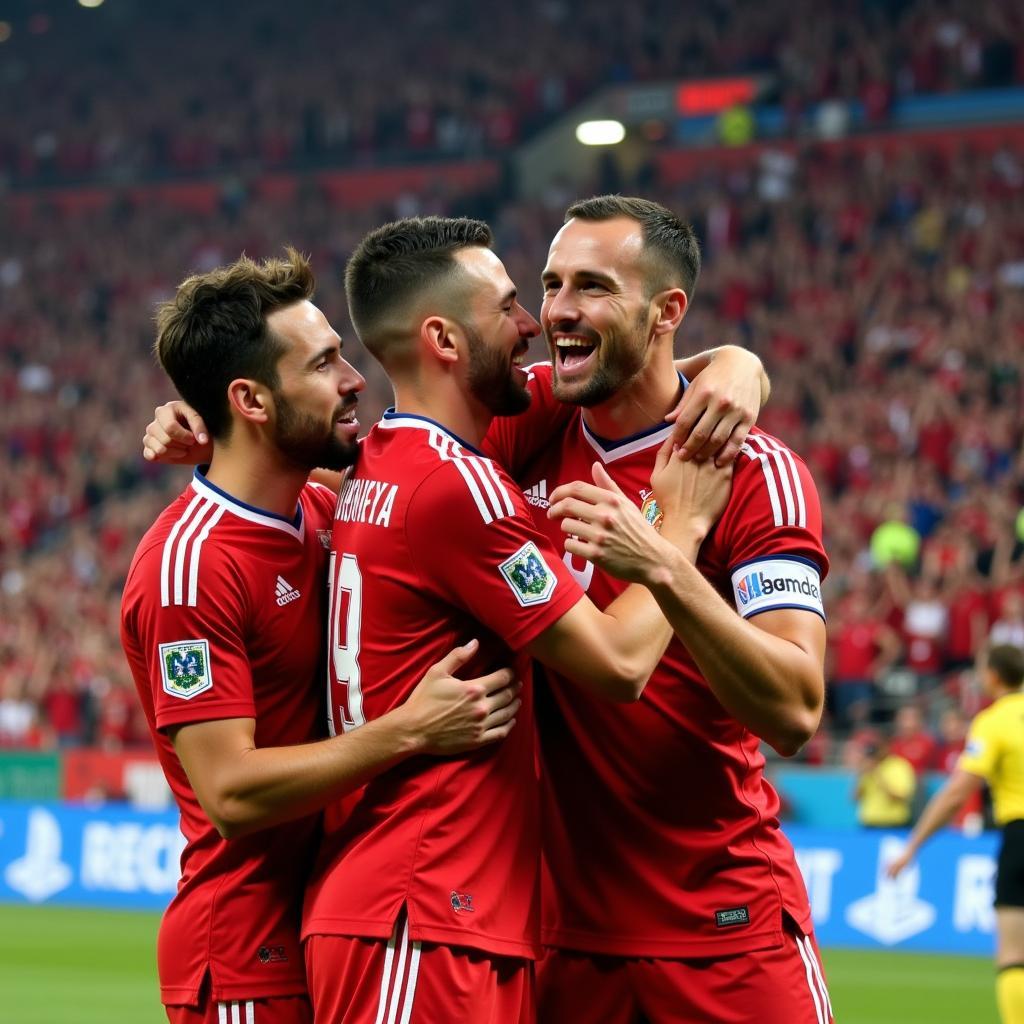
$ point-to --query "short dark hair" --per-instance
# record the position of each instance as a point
(668, 241)
(396, 263)
(1007, 661)
(215, 330)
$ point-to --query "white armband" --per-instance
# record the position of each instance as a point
(782, 581)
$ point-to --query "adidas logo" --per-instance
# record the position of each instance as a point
(537, 495)
(286, 593)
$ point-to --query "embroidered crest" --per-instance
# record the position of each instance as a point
(185, 667)
(528, 575)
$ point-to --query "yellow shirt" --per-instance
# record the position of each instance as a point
(875, 806)
(995, 751)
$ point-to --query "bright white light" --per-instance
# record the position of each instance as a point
(89, 3)
(600, 133)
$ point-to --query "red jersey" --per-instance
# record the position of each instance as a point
(661, 835)
(433, 545)
(222, 617)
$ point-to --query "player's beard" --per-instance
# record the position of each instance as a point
(302, 438)
(492, 378)
(621, 356)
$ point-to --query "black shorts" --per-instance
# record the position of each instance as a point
(1010, 873)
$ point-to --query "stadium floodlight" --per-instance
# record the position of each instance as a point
(89, 3)
(600, 133)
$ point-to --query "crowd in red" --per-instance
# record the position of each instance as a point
(321, 83)
(885, 293)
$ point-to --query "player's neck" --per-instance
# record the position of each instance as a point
(639, 406)
(257, 479)
(465, 418)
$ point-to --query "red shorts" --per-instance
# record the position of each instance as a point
(274, 1010)
(771, 986)
(363, 981)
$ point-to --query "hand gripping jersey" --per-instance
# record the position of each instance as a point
(222, 617)
(660, 832)
(434, 545)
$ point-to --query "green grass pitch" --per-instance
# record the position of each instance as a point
(60, 966)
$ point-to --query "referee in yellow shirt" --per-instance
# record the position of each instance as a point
(994, 754)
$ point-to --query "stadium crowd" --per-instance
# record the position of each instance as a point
(337, 86)
(885, 295)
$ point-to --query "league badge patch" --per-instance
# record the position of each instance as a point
(528, 575)
(185, 667)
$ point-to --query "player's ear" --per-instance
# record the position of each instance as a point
(250, 400)
(670, 308)
(439, 335)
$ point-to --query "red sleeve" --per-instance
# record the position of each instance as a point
(194, 656)
(514, 441)
(771, 531)
(471, 535)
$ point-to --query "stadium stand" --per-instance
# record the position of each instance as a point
(883, 287)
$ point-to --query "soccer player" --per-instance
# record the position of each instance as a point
(424, 903)
(222, 623)
(994, 754)
(670, 892)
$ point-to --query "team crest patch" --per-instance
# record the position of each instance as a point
(528, 575)
(650, 511)
(324, 536)
(185, 667)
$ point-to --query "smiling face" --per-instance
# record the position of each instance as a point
(597, 314)
(315, 401)
(498, 332)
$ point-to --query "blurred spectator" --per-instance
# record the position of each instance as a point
(885, 787)
(1009, 627)
(863, 646)
(912, 740)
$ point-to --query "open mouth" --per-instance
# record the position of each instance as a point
(347, 418)
(573, 352)
(519, 354)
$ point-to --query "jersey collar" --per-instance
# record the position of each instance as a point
(391, 420)
(609, 451)
(294, 527)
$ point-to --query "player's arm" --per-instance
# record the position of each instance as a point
(728, 388)
(938, 812)
(243, 788)
(615, 651)
(767, 671)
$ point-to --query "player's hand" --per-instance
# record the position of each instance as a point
(895, 867)
(691, 495)
(450, 715)
(719, 407)
(177, 436)
(606, 528)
